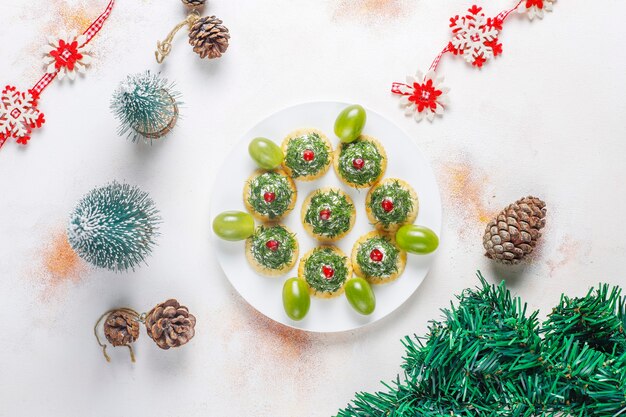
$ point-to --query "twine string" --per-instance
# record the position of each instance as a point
(165, 47)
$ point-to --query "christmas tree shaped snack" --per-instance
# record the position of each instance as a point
(326, 269)
(360, 163)
(391, 204)
(308, 154)
(328, 214)
(272, 250)
(269, 195)
(377, 259)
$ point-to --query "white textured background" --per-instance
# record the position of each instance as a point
(546, 118)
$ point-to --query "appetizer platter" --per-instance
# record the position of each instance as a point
(325, 216)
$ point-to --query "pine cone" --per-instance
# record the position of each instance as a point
(513, 234)
(170, 325)
(209, 37)
(121, 328)
(194, 3)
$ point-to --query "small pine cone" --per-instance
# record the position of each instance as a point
(170, 325)
(209, 37)
(194, 3)
(513, 234)
(121, 328)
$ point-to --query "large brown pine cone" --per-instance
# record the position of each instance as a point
(209, 37)
(170, 325)
(121, 328)
(513, 234)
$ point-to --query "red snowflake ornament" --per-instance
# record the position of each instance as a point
(475, 37)
(67, 55)
(19, 115)
(535, 8)
(424, 96)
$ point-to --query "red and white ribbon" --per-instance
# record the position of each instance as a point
(18, 110)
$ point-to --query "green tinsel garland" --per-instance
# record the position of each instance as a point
(490, 357)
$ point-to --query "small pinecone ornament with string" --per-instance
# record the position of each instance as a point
(209, 37)
(170, 325)
(121, 328)
(194, 3)
(513, 234)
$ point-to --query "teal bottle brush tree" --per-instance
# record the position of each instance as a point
(114, 226)
(490, 357)
(146, 106)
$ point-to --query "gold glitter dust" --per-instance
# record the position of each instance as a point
(570, 250)
(59, 264)
(465, 189)
(372, 11)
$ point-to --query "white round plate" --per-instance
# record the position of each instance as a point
(405, 161)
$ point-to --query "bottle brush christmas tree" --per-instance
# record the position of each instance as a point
(146, 106)
(113, 226)
(490, 357)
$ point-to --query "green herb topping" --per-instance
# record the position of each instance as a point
(273, 247)
(360, 162)
(329, 213)
(325, 270)
(377, 257)
(391, 203)
(270, 194)
(307, 155)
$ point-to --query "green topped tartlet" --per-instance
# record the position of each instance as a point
(272, 250)
(376, 258)
(269, 195)
(391, 203)
(308, 154)
(361, 163)
(328, 214)
(326, 269)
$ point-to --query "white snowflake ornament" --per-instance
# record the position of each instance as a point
(475, 37)
(535, 8)
(18, 115)
(423, 96)
(67, 55)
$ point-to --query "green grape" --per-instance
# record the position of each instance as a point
(417, 239)
(265, 153)
(233, 225)
(360, 295)
(296, 298)
(350, 123)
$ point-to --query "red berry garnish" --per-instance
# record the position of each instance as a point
(376, 255)
(358, 163)
(328, 272)
(308, 155)
(272, 245)
(387, 205)
(269, 197)
(325, 214)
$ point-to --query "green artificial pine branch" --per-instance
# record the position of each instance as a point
(491, 357)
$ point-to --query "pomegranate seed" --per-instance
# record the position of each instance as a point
(387, 205)
(269, 197)
(272, 245)
(328, 272)
(358, 163)
(308, 155)
(376, 255)
(325, 214)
